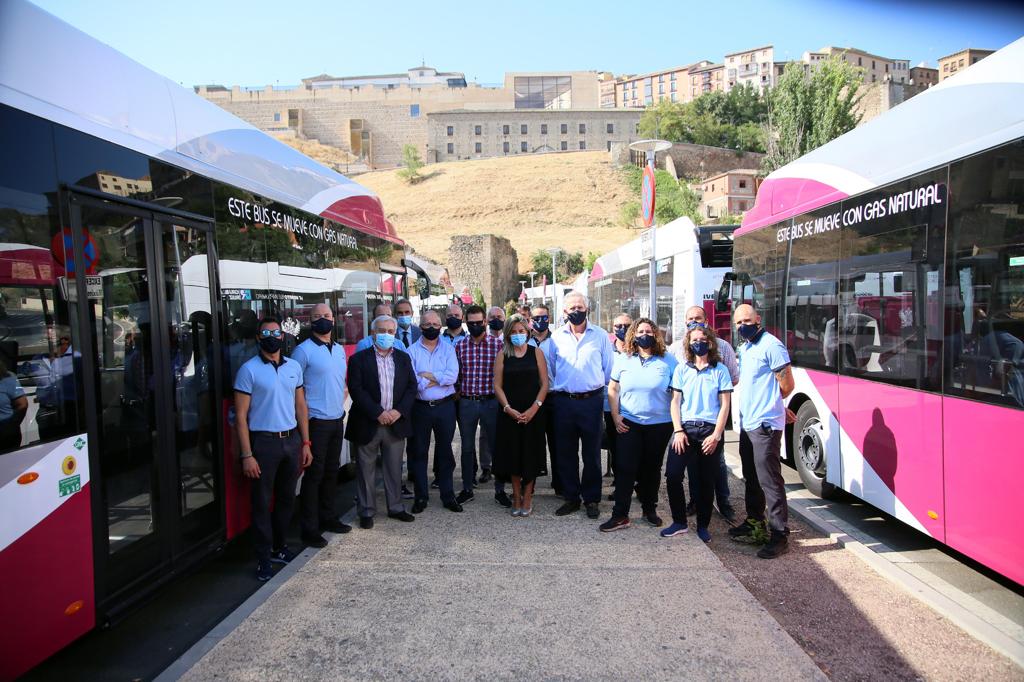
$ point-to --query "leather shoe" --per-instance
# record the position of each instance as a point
(485, 476)
(453, 506)
(593, 510)
(335, 526)
(418, 506)
(316, 541)
(401, 516)
(503, 499)
(366, 522)
(567, 508)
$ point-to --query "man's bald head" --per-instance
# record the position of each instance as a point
(696, 314)
(745, 314)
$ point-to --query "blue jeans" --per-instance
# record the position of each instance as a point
(439, 420)
(578, 423)
(721, 479)
(471, 413)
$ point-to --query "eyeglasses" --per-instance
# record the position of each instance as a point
(276, 333)
(620, 326)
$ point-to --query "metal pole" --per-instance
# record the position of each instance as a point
(653, 267)
(554, 266)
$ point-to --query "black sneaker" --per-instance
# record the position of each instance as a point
(407, 494)
(366, 522)
(419, 506)
(464, 497)
(264, 570)
(614, 523)
(503, 499)
(593, 510)
(567, 508)
(453, 506)
(335, 526)
(653, 519)
(283, 555)
(403, 516)
(434, 484)
(485, 476)
(316, 541)
(745, 531)
(777, 546)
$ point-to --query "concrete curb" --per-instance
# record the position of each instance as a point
(958, 607)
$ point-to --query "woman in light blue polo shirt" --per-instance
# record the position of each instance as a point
(640, 399)
(700, 408)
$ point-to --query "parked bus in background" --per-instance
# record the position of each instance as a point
(691, 262)
(891, 261)
(143, 234)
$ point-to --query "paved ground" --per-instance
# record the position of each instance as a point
(481, 595)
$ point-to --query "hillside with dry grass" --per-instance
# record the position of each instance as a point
(536, 201)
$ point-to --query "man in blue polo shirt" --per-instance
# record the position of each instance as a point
(581, 368)
(323, 375)
(273, 434)
(765, 380)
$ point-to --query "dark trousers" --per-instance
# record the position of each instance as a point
(579, 426)
(640, 453)
(551, 436)
(612, 435)
(439, 420)
(762, 477)
(702, 470)
(279, 469)
(319, 483)
(721, 485)
(471, 413)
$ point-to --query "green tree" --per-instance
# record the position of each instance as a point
(568, 264)
(478, 297)
(628, 213)
(717, 119)
(591, 259)
(412, 162)
(806, 110)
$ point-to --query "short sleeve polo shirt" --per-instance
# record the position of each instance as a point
(272, 387)
(700, 389)
(323, 374)
(760, 399)
(10, 390)
(644, 395)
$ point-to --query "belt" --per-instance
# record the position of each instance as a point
(579, 396)
(697, 423)
(336, 419)
(439, 401)
(485, 396)
(273, 434)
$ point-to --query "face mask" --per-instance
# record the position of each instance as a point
(404, 321)
(384, 341)
(700, 348)
(518, 339)
(271, 345)
(476, 328)
(645, 341)
(749, 331)
(695, 325)
(577, 316)
(496, 325)
(620, 333)
(322, 326)
(453, 322)
(430, 333)
(540, 326)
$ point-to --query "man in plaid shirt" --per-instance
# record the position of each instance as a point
(477, 404)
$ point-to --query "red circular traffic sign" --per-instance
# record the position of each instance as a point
(647, 196)
(62, 245)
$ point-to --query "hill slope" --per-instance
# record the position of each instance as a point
(536, 201)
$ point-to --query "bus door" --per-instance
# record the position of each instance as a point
(150, 358)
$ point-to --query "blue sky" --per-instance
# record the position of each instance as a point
(257, 42)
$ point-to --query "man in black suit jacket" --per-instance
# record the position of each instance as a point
(382, 385)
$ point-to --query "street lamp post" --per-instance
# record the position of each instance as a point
(651, 148)
(554, 273)
(532, 274)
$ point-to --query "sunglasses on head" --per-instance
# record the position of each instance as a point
(276, 333)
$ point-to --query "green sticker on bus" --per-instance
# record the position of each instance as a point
(1016, 261)
(69, 485)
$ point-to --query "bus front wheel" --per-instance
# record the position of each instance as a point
(809, 451)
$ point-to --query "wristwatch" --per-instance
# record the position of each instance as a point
(539, 403)
(245, 456)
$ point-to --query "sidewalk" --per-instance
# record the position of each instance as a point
(482, 595)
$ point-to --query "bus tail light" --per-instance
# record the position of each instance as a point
(27, 477)
(74, 607)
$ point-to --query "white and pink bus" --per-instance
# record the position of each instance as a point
(891, 262)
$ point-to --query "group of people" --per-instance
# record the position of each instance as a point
(538, 396)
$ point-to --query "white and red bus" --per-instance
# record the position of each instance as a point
(891, 262)
(143, 232)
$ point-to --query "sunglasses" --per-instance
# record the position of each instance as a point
(695, 325)
(276, 333)
(541, 318)
(621, 326)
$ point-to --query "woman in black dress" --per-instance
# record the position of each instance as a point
(520, 384)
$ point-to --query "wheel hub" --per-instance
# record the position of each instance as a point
(811, 450)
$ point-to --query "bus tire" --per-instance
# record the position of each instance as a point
(809, 452)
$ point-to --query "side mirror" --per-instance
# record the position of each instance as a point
(722, 300)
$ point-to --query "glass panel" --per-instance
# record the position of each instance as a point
(812, 335)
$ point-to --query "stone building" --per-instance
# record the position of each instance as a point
(754, 67)
(729, 193)
(487, 262)
(951, 64)
(455, 135)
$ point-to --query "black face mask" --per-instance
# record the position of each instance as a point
(476, 328)
(271, 344)
(496, 325)
(749, 331)
(430, 333)
(645, 341)
(700, 348)
(322, 326)
(540, 326)
(620, 333)
(577, 316)
(453, 322)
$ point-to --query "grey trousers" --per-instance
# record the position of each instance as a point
(390, 449)
(762, 476)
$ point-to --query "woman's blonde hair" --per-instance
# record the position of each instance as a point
(509, 350)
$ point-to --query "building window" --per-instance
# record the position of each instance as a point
(504, 147)
(451, 131)
(504, 130)
(543, 128)
(743, 184)
(565, 145)
(543, 92)
(860, 62)
(478, 130)
(565, 128)
(277, 117)
(661, 89)
(583, 129)
(477, 147)
(522, 129)
(743, 205)
(451, 147)
(522, 147)
(673, 97)
(414, 111)
(672, 76)
(583, 144)
(661, 78)
(609, 128)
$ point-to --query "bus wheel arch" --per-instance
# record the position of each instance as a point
(807, 449)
